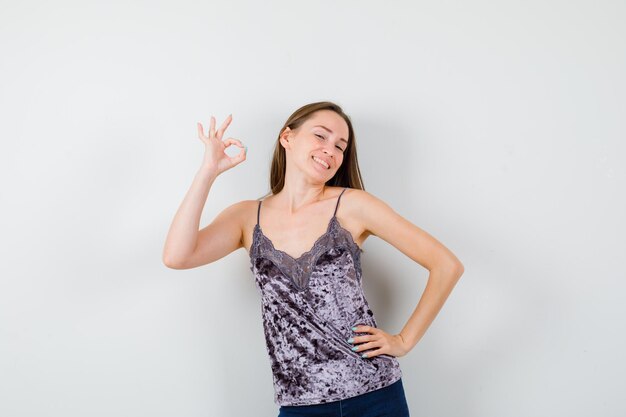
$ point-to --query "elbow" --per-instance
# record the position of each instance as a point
(168, 263)
(171, 263)
(458, 269)
(453, 268)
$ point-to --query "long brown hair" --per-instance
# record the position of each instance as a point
(348, 175)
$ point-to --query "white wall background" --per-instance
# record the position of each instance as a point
(496, 126)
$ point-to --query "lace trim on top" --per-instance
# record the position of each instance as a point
(299, 269)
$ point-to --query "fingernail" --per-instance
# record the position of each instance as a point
(351, 340)
(364, 355)
(355, 348)
(354, 329)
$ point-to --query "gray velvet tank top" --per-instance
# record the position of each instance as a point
(309, 305)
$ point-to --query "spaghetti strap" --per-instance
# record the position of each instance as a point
(258, 212)
(337, 205)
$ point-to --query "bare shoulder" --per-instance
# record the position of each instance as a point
(245, 211)
(360, 204)
(244, 214)
(238, 211)
(360, 200)
(351, 212)
(377, 217)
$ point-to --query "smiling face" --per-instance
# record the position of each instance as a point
(318, 146)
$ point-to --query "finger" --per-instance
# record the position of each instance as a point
(373, 353)
(239, 157)
(222, 128)
(363, 329)
(200, 131)
(366, 346)
(242, 155)
(212, 128)
(361, 339)
(233, 141)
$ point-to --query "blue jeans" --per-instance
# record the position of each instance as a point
(388, 401)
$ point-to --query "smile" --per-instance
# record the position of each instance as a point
(319, 161)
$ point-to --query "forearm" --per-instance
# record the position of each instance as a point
(183, 233)
(440, 283)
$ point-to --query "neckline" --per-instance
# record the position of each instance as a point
(304, 255)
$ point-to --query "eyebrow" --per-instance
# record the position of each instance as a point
(329, 131)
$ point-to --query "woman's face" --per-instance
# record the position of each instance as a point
(323, 137)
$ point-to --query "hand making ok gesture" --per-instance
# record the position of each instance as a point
(215, 156)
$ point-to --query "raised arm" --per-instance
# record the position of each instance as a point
(186, 246)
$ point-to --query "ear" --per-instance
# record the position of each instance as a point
(285, 136)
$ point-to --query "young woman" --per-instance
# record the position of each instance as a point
(327, 354)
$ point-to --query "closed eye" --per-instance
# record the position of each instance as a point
(338, 147)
